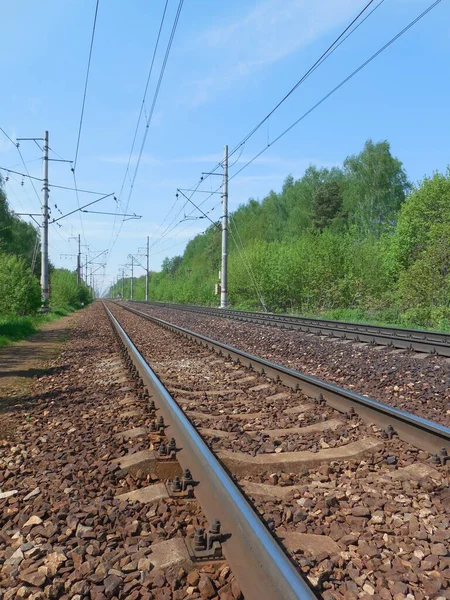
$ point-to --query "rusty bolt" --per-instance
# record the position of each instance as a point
(215, 527)
(176, 484)
(199, 540)
(162, 450)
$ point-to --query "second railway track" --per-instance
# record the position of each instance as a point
(363, 513)
(431, 342)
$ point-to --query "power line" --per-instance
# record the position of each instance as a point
(86, 85)
(4, 132)
(317, 63)
(199, 209)
(137, 124)
(61, 187)
(341, 84)
(16, 145)
(144, 97)
(164, 233)
(155, 98)
(26, 162)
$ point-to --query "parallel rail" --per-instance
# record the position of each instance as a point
(409, 339)
(421, 433)
(258, 562)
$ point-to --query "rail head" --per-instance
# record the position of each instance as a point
(420, 432)
(262, 568)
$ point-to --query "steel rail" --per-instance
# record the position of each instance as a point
(262, 569)
(421, 433)
(419, 340)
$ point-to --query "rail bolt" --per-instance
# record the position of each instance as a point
(388, 433)
(161, 422)
(162, 450)
(441, 457)
(186, 479)
(199, 540)
(214, 534)
(176, 484)
(172, 446)
(152, 426)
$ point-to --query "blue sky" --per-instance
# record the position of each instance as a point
(230, 64)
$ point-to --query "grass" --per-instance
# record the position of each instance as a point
(13, 329)
(433, 319)
(411, 319)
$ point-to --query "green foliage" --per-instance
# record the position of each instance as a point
(19, 290)
(65, 290)
(375, 188)
(428, 206)
(326, 204)
(350, 242)
(16, 236)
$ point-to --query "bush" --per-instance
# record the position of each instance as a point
(19, 290)
(65, 291)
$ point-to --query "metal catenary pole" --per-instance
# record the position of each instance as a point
(224, 271)
(44, 242)
(79, 261)
(147, 272)
(123, 284)
(132, 275)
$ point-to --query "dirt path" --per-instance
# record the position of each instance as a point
(23, 361)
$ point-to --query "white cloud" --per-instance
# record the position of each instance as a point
(271, 31)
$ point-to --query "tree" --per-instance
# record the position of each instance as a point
(170, 265)
(375, 188)
(426, 207)
(5, 220)
(326, 204)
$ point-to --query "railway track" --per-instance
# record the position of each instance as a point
(396, 337)
(331, 473)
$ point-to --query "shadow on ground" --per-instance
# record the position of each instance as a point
(33, 372)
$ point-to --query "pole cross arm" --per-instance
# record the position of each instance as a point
(81, 207)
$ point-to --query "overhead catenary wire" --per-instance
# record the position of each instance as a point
(242, 143)
(144, 97)
(80, 125)
(155, 98)
(16, 145)
(248, 266)
(61, 187)
(339, 85)
(326, 54)
(151, 112)
(126, 174)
